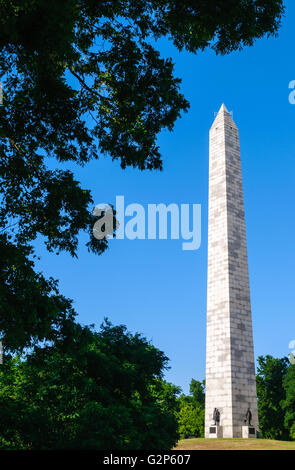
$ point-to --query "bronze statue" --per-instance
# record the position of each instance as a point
(248, 417)
(216, 416)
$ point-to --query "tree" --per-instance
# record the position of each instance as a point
(31, 308)
(191, 421)
(83, 78)
(288, 404)
(191, 415)
(197, 390)
(89, 390)
(271, 393)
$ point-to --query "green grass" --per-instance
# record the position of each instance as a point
(234, 444)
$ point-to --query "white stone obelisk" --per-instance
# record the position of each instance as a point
(230, 373)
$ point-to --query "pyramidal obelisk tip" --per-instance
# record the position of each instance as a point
(223, 109)
(223, 114)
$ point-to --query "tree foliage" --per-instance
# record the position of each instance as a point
(191, 421)
(271, 394)
(90, 390)
(288, 404)
(197, 391)
(31, 308)
(191, 415)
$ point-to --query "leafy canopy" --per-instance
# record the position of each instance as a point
(89, 390)
(31, 307)
(271, 393)
(191, 414)
(288, 404)
(191, 421)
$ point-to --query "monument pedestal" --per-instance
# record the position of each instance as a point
(215, 432)
(249, 432)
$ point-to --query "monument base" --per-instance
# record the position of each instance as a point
(215, 432)
(249, 432)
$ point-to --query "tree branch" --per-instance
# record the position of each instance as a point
(84, 85)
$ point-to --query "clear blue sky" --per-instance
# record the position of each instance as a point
(153, 286)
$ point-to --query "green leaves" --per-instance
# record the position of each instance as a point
(31, 308)
(88, 390)
(191, 415)
(288, 404)
(197, 390)
(225, 25)
(191, 421)
(271, 395)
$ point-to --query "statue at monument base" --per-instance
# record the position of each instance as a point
(215, 431)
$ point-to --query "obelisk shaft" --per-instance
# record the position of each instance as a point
(230, 374)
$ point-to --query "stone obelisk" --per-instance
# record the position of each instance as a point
(230, 372)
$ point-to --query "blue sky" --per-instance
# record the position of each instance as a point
(153, 286)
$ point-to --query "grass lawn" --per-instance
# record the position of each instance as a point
(234, 444)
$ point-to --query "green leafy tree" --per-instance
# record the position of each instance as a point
(288, 404)
(191, 421)
(31, 308)
(271, 393)
(191, 415)
(197, 390)
(89, 390)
